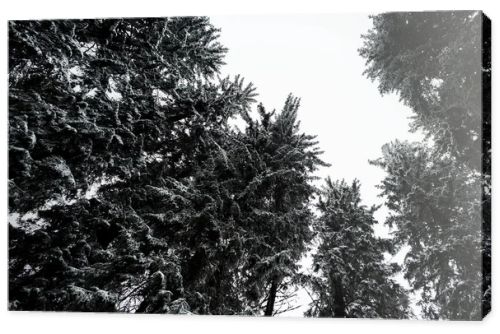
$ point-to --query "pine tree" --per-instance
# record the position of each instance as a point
(274, 202)
(108, 121)
(433, 61)
(440, 65)
(129, 191)
(435, 208)
(352, 278)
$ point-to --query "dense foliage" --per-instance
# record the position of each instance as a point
(353, 279)
(131, 190)
(128, 189)
(440, 193)
(435, 207)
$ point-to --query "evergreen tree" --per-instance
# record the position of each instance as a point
(108, 121)
(433, 61)
(352, 278)
(129, 191)
(435, 209)
(274, 203)
(440, 65)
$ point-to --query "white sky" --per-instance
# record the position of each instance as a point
(315, 57)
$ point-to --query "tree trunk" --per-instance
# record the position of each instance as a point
(272, 298)
(338, 298)
(278, 207)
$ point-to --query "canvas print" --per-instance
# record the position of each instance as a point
(330, 165)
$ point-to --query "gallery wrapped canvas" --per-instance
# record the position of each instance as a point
(160, 165)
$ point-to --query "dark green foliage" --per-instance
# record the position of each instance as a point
(108, 121)
(275, 201)
(89, 98)
(352, 278)
(128, 189)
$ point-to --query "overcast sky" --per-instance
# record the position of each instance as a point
(315, 57)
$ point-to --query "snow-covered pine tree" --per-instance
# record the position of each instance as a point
(433, 60)
(440, 65)
(351, 277)
(435, 209)
(108, 119)
(277, 167)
